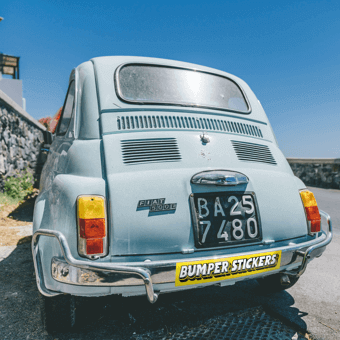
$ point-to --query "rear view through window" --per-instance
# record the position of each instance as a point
(154, 84)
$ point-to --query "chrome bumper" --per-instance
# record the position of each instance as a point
(85, 273)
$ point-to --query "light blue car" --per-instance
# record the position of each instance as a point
(164, 176)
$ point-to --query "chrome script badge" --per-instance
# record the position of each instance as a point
(156, 205)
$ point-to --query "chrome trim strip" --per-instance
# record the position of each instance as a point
(162, 271)
(219, 177)
(121, 97)
(142, 272)
(86, 273)
(38, 273)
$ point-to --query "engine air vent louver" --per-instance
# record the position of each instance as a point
(252, 152)
(183, 122)
(136, 151)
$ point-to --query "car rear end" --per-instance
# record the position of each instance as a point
(196, 191)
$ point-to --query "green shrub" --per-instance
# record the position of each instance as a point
(7, 200)
(20, 186)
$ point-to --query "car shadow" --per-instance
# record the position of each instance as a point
(134, 317)
(24, 212)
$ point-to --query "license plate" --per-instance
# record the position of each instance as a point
(196, 272)
(225, 218)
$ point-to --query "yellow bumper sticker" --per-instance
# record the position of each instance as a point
(195, 272)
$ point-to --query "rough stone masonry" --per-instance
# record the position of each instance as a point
(21, 140)
(324, 173)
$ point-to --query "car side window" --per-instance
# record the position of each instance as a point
(68, 110)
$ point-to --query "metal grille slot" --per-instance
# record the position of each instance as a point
(180, 122)
(252, 152)
(136, 151)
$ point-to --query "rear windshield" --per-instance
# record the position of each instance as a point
(154, 84)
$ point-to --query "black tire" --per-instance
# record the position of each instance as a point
(58, 313)
(272, 284)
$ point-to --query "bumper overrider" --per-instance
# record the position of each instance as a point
(291, 260)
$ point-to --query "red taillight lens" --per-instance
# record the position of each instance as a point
(312, 211)
(315, 226)
(92, 228)
(94, 246)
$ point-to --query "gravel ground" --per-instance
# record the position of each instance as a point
(193, 314)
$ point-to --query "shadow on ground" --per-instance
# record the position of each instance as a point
(24, 212)
(195, 314)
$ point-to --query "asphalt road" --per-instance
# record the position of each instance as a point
(312, 305)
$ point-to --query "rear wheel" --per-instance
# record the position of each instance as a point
(272, 283)
(58, 313)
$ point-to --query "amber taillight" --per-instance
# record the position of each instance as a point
(312, 211)
(92, 228)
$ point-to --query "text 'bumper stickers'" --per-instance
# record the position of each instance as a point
(195, 272)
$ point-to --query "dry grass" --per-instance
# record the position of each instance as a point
(15, 219)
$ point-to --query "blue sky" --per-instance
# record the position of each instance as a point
(287, 51)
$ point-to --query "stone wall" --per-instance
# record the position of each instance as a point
(322, 172)
(21, 140)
